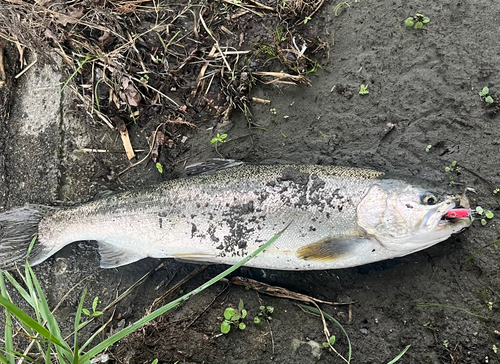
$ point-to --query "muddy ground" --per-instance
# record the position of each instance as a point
(423, 90)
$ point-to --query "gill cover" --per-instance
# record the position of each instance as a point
(405, 218)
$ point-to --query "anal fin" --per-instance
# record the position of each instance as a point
(330, 248)
(113, 256)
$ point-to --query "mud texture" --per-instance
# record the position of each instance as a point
(423, 90)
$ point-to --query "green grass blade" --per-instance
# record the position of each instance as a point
(21, 355)
(3, 359)
(425, 304)
(62, 349)
(88, 57)
(128, 330)
(78, 317)
(473, 255)
(315, 310)
(19, 289)
(9, 344)
(400, 355)
(23, 316)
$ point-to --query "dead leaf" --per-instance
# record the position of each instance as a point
(72, 16)
(50, 35)
(129, 93)
(106, 38)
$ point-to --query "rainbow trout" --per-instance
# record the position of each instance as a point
(337, 217)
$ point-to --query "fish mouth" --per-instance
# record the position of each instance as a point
(457, 211)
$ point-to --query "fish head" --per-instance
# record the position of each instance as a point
(404, 218)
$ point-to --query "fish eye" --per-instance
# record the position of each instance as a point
(429, 199)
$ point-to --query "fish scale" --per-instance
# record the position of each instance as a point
(222, 216)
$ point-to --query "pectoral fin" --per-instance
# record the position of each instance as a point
(331, 248)
(194, 258)
(113, 256)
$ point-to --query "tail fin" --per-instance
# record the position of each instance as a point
(17, 229)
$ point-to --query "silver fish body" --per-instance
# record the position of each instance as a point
(337, 217)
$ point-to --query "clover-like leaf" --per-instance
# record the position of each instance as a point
(229, 313)
(419, 25)
(225, 327)
(409, 22)
(242, 326)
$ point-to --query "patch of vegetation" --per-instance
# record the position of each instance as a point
(265, 313)
(94, 312)
(218, 140)
(428, 148)
(45, 331)
(234, 317)
(484, 214)
(484, 94)
(363, 90)
(453, 168)
(417, 22)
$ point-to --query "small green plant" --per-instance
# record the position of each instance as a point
(234, 317)
(490, 306)
(496, 190)
(306, 19)
(279, 34)
(144, 79)
(484, 214)
(219, 139)
(446, 343)
(495, 349)
(331, 341)
(428, 148)
(484, 94)
(363, 90)
(159, 167)
(94, 313)
(265, 313)
(417, 21)
(273, 111)
(452, 168)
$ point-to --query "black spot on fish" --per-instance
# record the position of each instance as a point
(294, 175)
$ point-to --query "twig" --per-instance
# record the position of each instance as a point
(122, 128)
(261, 101)
(147, 156)
(206, 308)
(216, 41)
(262, 6)
(3, 76)
(158, 301)
(244, 7)
(92, 150)
(279, 291)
